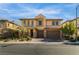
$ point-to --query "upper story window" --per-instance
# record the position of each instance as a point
(32, 23)
(24, 23)
(28, 23)
(8, 24)
(56, 22)
(53, 23)
(1, 25)
(40, 23)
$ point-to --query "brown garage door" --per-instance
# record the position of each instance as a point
(53, 34)
(40, 33)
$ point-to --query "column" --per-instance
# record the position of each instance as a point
(61, 35)
(45, 33)
(34, 33)
(29, 32)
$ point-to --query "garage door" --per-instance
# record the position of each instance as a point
(40, 34)
(53, 34)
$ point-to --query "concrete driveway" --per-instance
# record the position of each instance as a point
(45, 40)
(39, 49)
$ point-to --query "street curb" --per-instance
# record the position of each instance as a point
(71, 43)
(31, 43)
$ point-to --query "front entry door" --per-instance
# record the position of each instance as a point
(40, 34)
(31, 33)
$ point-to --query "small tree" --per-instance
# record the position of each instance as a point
(69, 29)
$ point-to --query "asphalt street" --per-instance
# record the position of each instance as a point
(39, 49)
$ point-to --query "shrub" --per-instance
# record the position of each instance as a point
(6, 40)
(78, 38)
(66, 37)
(72, 39)
(28, 38)
(69, 30)
(21, 40)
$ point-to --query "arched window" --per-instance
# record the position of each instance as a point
(39, 22)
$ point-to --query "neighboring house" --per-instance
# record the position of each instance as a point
(41, 27)
(6, 25)
(74, 22)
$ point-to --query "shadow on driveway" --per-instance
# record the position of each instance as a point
(51, 40)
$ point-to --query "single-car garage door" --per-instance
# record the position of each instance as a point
(53, 34)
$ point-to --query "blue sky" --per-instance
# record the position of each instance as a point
(15, 11)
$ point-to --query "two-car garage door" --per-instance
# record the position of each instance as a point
(53, 34)
(50, 34)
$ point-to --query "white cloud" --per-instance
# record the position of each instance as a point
(47, 11)
(71, 4)
(30, 11)
(68, 16)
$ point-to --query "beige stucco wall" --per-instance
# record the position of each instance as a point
(11, 26)
(35, 20)
(49, 23)
(34, 23)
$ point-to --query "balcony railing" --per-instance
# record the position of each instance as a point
(50, 26)
(47, 26)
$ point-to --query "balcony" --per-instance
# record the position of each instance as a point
(30, 26)
(50, 26)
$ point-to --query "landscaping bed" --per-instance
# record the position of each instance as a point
(72, 43)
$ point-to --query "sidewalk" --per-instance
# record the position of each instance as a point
(30, 42)
(33, 41)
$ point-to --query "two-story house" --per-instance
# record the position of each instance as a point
(74, 22)
(6, 25)
(41, 27)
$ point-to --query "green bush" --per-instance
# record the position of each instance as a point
(28, 38)
(6, 40)
(21, 40)
(11, 34)
(78, 38)
(72, 39)
(66, 37)
(25, 39)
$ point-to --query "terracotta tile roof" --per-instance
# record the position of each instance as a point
(54, 19)
(8, 21)
(35, 19)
